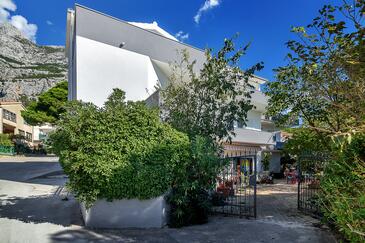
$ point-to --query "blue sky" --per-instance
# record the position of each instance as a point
(265, 23)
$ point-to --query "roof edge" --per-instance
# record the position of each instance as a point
(126, 22)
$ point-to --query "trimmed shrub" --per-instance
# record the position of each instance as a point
(119, 151)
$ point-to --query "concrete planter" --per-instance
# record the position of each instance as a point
(125, 213)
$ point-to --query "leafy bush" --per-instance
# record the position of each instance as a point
(189, 199)
(5, 140)
(120, 151)
(266, 161)
(343, 191)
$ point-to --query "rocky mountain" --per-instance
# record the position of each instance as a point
(26, 68)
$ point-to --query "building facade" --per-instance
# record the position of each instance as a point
(12, 122)
(106, 53)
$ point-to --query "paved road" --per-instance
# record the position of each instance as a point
(33, 209)
(23, 169)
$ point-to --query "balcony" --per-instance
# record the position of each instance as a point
(249, 136)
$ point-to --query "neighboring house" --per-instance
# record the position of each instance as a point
(41, 133)
(105, 53)
(12, 122)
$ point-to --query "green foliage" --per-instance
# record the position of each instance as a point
(324, 80)
(324, 83)
(204, 106)
(26, 101)
(8, 59)
(343, 188)
(5, 140)
(120, 151)
(40, 75)
(48, 107)
(189, 199)
(266, 161)
(208, 103)
(49, 67)
(304, 140)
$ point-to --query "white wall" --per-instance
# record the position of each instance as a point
(254, 119)
(275, 162)
(109, 30)
(102, 67)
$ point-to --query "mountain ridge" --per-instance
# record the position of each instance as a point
(27, 69)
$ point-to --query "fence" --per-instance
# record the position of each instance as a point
(7, 150)
(310, 172)
(235, 192)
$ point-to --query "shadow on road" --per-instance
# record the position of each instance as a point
(88, 235)
(42, 209)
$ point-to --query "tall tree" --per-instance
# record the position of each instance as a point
(324, 80)
(48, 107)
(209, 102)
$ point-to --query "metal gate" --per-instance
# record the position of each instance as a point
(235, 192)
(310, 172)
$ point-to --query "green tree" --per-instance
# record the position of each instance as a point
(324, 80)
(48, 107)
(26, 101)
(205, 105)
(209, 102)
(324, 83)
(304, 140)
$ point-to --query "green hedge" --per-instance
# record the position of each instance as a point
(120, 151)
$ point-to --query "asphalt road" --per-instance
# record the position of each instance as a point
(23, 169)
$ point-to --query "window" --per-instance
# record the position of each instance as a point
(21, 133)
(28, 137)
(8, 115)
(240, 124)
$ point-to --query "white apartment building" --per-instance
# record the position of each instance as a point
(105, 52)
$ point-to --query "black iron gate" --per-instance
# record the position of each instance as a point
(235, 192)
(310, 172)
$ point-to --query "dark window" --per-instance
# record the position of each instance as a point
(8, 115)
(28, 137)
(21, 133)
(240, 124)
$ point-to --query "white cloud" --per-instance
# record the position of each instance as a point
(181, 36)
(208, 5)
(18, 21)
(49, 22)
(7, 4)
(21, 23)
(4, 15)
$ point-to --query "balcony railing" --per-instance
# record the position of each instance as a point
(253, 136)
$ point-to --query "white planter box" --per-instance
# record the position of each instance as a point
(125, 213)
